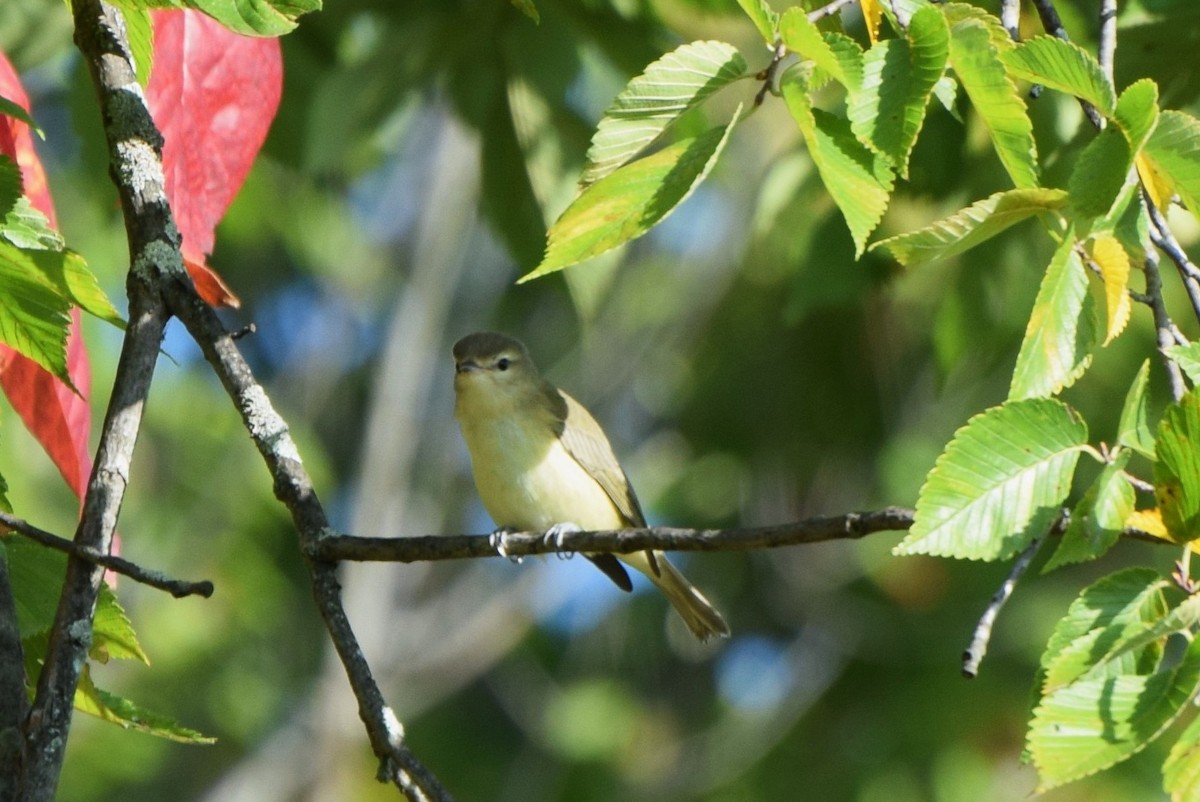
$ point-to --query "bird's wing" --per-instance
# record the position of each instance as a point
(591, 449)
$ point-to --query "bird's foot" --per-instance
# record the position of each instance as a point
(554, 537)
(499, 541)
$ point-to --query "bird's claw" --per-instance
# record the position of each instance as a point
(554, 537)
(499, 541)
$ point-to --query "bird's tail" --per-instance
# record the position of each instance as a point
(696, 611)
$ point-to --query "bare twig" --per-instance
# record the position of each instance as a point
(621, 541)
(828, 10)
(146, 576)
(1164, 240)
(1163, 325)
(769, 75)
(1107, 49)
(1010, 18)
(294, 488)
(973, 655)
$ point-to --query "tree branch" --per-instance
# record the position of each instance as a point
(334, 547)
(1107, 49)
(134, 157)
(1163, 325)
(156, 579)
(14, 704)
(977, 648)
(828, 10)
(294, 488)
(1010, 18)
(1164, 240)
(1052, 24)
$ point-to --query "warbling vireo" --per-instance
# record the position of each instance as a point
(542, 463)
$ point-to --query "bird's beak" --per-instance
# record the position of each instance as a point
(466, 366)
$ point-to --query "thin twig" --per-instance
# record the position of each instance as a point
(1165, 329)
(146, 576)
(1164, 240)
(1010, 18)
(973, 655)
(1107, 46)
(294, 488)
(828, 10)
(768, 76)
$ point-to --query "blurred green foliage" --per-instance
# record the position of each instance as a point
(747, 368)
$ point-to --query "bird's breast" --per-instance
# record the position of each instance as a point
(528, 480)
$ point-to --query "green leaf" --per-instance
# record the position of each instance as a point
(36, 575)
(1181, 772)
(256, 17)
(1180, 619)
(838, 56)
(1128, 222)
(629, 202)
(1174, 149)
(112, 632)
(674, 84)
(1188, 358)
(17, 112)
(33, 317)
(1133, 430)
(1100, 173)
(1098, 519)
(527, 8)
(109, 707)
(1097, 722)
(859, 181)
(971, 226)
(1065, 67)
(764, 18)
(1137, 112)
(140, 32)
(898, 78)
(1177, 468)
(976, 60)
(1107, 613)
(999, 483)
(10, 184)
(1061, 331)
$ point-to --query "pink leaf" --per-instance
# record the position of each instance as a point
(57, 417)
(213, 94)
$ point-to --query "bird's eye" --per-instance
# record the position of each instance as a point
(502, 363)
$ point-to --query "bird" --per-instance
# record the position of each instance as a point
(541, 462)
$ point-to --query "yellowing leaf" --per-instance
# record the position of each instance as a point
(1148, 521)
(1113, 261)
(1153, 179)
(873, 14)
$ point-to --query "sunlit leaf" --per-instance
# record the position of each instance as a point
(1181, 772)
(1187, 356)
(677, 82)
(527, 8)
(1061, 332)
(1110, 257)
(1065, 67)
(1148, 521)
(1105, 614)
(1137, 112)
(837, 55)
(1134, 428)
(994, 97)
(1177, 468)
(1094, 723)
(33, 317)
(872, 11)
(112, 632)
(1098, 519)
(971, 226)
(763, 16)
(999, 482)
(1173, 152)
(859, 181)
(630, 201)
(109, 707)
(898, 78)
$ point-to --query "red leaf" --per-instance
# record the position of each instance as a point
(57, 417)
(210, 286)
(213, 94)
